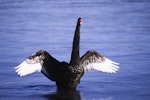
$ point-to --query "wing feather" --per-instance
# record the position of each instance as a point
(92, 60)
(40, 61)
(25, 69)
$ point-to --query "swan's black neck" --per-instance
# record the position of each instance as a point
(75, 56)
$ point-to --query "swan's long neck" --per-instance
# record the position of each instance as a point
(75, 56)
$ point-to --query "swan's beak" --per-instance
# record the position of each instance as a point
(80, 21)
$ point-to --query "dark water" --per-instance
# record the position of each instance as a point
(120, 30)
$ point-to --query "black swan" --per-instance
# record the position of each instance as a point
(67, 75)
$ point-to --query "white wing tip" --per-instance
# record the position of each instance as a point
(107, 66)
(113, 68)
(25, 69)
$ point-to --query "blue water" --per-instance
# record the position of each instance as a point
(119, 29)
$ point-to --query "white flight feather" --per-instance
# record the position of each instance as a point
(25, 69)
(108, 66)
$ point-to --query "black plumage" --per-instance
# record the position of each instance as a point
(67, 75)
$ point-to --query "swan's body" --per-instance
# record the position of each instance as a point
(67, 75)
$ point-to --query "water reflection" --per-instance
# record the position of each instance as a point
(69, 95)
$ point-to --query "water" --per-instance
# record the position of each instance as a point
(119, 30)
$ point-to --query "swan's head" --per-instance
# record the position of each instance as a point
(80, 20)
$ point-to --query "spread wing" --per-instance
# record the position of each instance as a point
(41, 61)
(92, 60)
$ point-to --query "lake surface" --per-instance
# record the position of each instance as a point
(120, 30)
